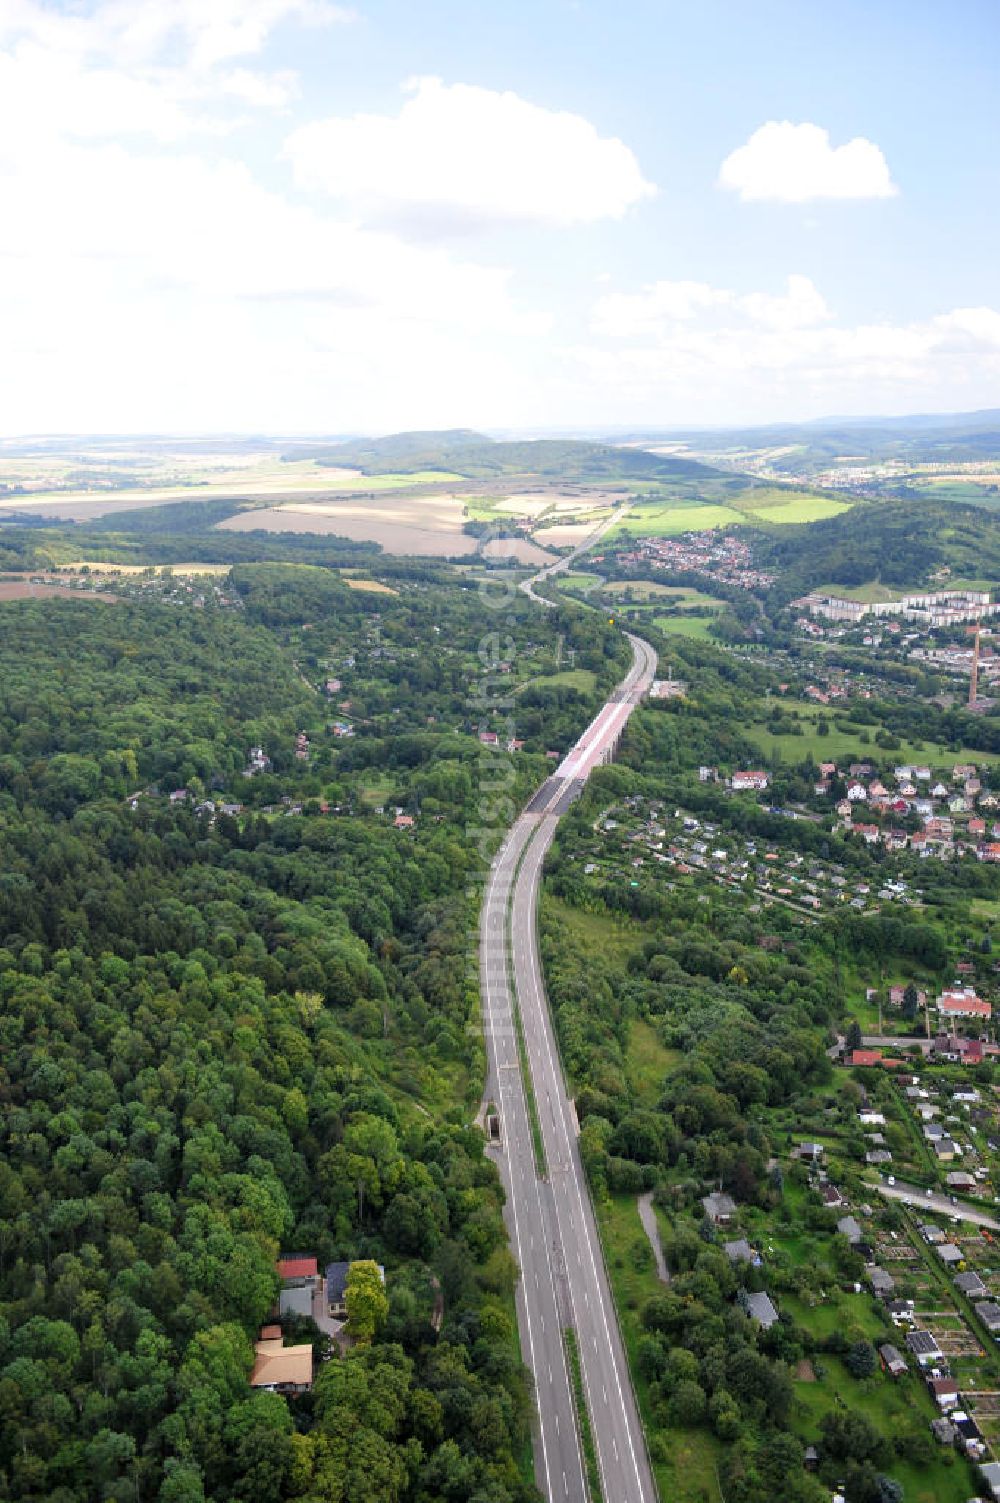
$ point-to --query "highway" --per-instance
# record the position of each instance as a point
(550, 1220)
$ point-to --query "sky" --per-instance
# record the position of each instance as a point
(299, 216)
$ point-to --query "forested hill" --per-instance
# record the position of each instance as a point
(469, 454)
(901, 543)
(226, 1033)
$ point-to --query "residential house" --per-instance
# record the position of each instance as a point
(944, 1391)
(989, 1314)
(295, 1269)
(297, 1299)
(848, 1227)
(278, 1368)
(970, 1284)
(831, 1196)
(924, 1347)
(949, 1254)
(892, 1360)
(760, 1308)
(740, 1251)
(720, 1208)
(811, 1152)
(336, 1289)
(754, 780)
(962, 1002)
(883, 1284)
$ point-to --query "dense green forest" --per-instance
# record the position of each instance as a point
(901, 543)
(228, 1034)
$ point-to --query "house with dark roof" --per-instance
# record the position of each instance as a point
(892, 1360)
(944, 1391)
(848, 1227)
(336, 1288)
(970, 1284)
(740, 1251)
(924, 1347)
(759, 1307)
(883, 1284)
(989, 1314)
(720, 1208)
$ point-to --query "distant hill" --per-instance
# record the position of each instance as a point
(921, 438)
(465, 452)
(899, 543)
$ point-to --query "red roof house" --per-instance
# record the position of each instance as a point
(297, 1268)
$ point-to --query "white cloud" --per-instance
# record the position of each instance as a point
(458, 156)
(787, 163)
(654, 311)
(689, 351)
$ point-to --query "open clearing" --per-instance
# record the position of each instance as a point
(370, 586)
(685, 626)
(838, 745)
(565, 534)
(521, 549)
(664, 519)
(102, 568)
(23, 589)
(800, 509)
(426, 525)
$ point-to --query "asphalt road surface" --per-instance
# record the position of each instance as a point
(912, 1195)
(550, 1220)
(568, 559)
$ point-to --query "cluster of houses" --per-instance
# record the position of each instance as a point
(305, 1293)
(720, 1208)
(687, 843)
(917, 1348)
(955, 820)
(714, 554)
(257, 762)
(956, 1123)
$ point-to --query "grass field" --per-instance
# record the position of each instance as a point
(645, 589)
(578, 581)
(686, 626)
(583, 679)
(838, 745)
(648, 1061)
(800, 509)
(663, 519)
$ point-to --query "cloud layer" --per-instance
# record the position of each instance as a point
(796, 164)
(459, 156)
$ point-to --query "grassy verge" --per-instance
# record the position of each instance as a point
(583, 1417)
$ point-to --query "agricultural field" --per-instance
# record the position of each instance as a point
(421, 525)
(799, 509)
(666, 519)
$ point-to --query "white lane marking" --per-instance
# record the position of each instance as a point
(532, 868)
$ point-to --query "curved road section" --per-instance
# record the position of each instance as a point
(549, 1217)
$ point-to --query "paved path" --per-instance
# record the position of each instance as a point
(912, 1195)
(550, 1220)
(562, 564)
